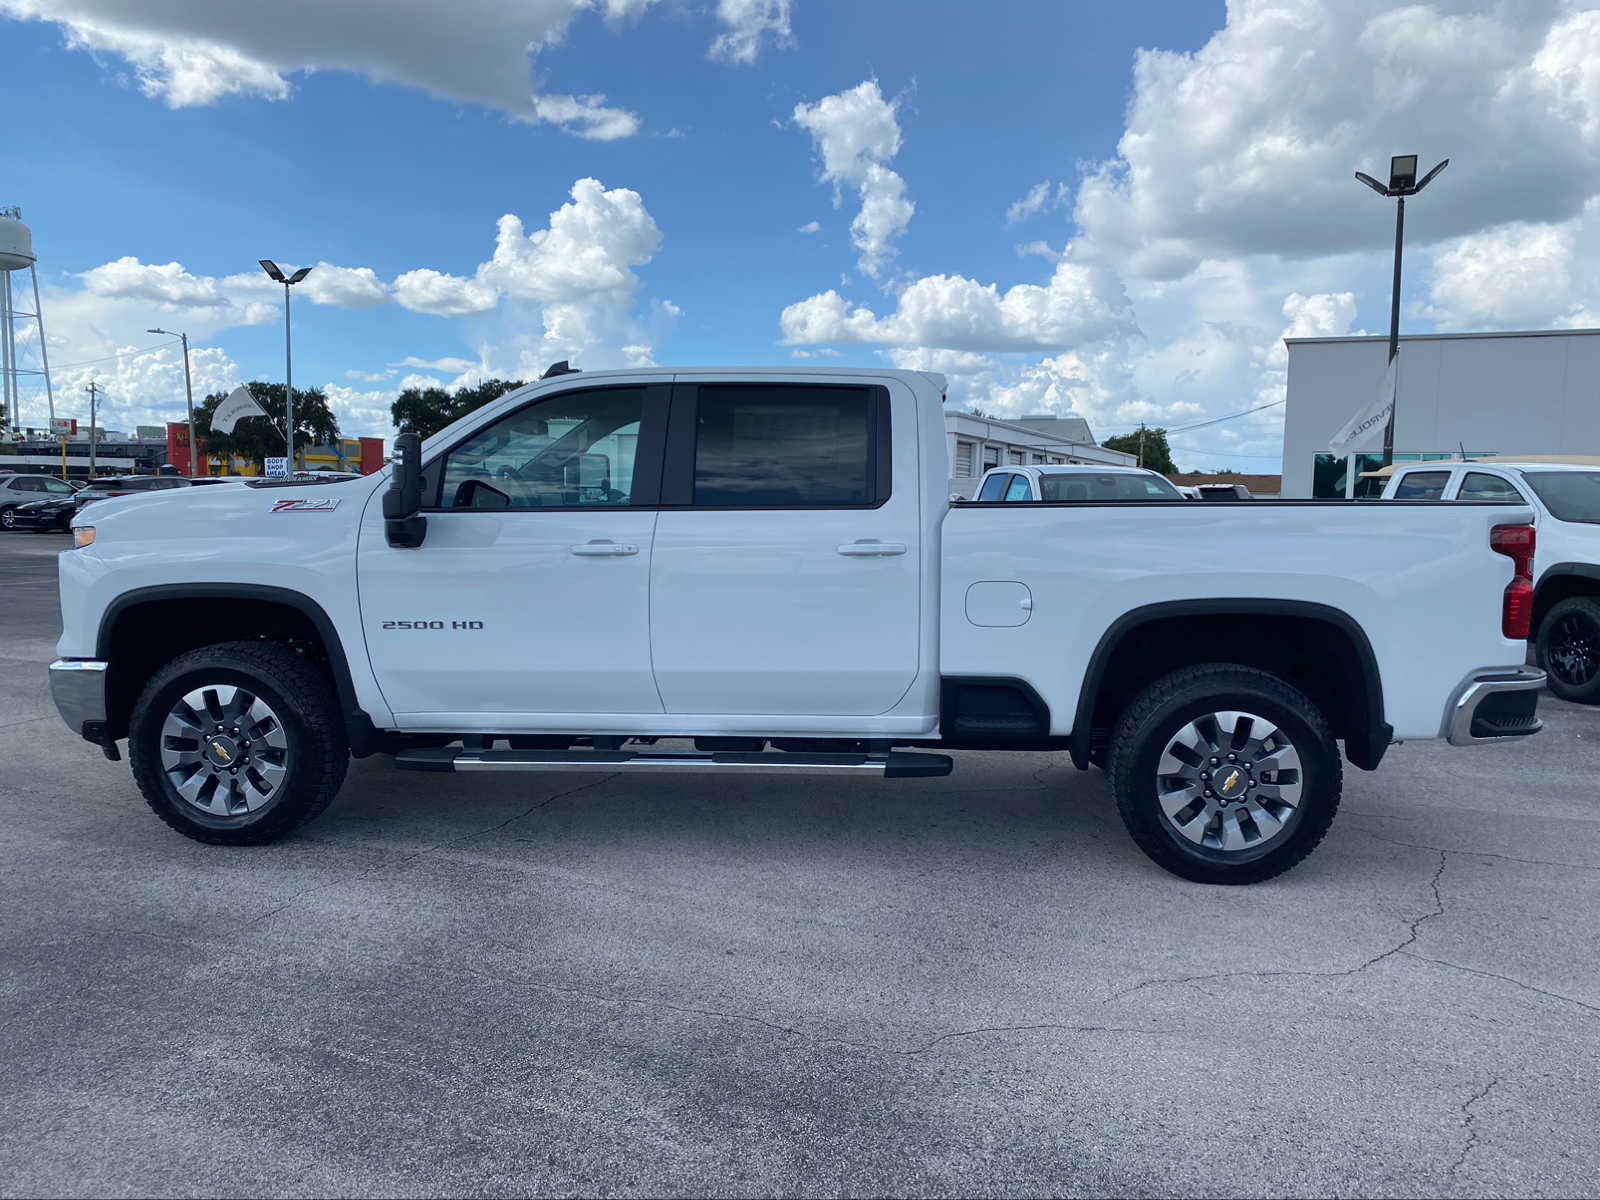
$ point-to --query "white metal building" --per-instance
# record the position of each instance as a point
(1484, 393)
(977, 443)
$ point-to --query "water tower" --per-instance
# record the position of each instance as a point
(16, 255)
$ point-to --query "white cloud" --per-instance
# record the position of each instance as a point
(1247, 146)
(1031, 205)
(344, 287)
(163, 283)
(856, 134)
(810, 227)
(425, 290)
(746, 24)
(469, 51)
(1080, 303)
(1040, 249)
(447, 363)
(1519, 276)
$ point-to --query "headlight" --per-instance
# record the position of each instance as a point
(82, 535)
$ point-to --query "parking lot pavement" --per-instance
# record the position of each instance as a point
(967, 985)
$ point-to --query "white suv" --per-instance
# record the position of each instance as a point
(1565, 498)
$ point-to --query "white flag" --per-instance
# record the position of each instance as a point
(239, 405)
(1366, 427)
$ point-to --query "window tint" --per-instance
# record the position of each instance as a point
(995, 486)
(783, 447)
(1086, 487)
(575, 449)
(27, 484)
(1421, 485)
(1020, 488)
(1569, 495)
(1479, 486)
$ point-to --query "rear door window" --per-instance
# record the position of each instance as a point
(1479, 485)
(1421, 485)
(772, 446)
(995, 486)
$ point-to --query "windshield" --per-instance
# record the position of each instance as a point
(1569, 495)
(1086, 487)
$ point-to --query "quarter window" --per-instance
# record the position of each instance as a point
(575, 449)
(1478, 485)
(1421, 485)
(1019, 489)
(783, 447)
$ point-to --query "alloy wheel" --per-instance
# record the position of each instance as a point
(1229, 781)
(1572, 650)
(224, 750)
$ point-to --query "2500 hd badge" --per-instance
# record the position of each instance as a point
(433, 624)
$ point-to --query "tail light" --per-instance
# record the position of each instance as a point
(1516, 609)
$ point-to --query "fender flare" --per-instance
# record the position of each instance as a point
(360, 731)
(1364, 746)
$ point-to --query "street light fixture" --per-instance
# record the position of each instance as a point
(188, 391)
(1403, 182)
(271, 268)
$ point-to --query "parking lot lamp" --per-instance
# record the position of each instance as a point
(271, 268)
(1403, 182)
(188, 391)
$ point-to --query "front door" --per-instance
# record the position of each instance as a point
(788, 552)
(530, 594)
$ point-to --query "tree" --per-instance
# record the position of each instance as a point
(1156, 454)
(427, 410)
(256, 439)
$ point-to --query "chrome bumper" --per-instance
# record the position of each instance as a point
(78, 686)
(1494, 704)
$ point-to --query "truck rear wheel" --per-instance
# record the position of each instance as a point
(1225, 774)
(238, 743)
(1568, 646)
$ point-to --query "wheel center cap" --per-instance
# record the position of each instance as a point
(223, 751)
(1230, 782)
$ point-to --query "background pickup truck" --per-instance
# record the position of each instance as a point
(764, 564)
(1565, 500)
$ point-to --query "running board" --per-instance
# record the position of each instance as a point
(897, 764)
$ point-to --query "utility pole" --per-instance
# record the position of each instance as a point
(188, 391)
(92, 389)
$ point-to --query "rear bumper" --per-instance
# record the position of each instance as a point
(1493, 704)
(78, 686)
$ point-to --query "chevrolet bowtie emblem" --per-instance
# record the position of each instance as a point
(1233, 778)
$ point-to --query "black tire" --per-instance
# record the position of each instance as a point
(297, 693)
(8, 518)
(1568, 648)
(1158, 714)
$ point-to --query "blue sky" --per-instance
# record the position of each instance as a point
(1195, 161)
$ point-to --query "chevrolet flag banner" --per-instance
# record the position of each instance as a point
(1366, 427)
(239, 405)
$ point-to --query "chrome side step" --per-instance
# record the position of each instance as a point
(897, 764)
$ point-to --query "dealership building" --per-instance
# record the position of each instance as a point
(1478, 393)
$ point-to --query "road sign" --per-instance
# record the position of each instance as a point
(64, 426)
(278, 468)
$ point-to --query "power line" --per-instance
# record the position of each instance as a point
(84, 362)
(1229, 417)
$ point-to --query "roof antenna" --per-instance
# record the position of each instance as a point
(559, 368)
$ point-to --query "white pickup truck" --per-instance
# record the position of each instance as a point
(764, 563)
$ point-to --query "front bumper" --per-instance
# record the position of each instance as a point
(78, 686)
(1494, 704)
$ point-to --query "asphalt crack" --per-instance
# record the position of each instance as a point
(1468, 1124)
(1413, 931)
(1536, 862)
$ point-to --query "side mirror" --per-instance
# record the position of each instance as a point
(403, 523)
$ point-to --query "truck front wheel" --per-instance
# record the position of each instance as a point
(236, 744)
(1225, 774)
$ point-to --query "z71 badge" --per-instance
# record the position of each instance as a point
(324, 505)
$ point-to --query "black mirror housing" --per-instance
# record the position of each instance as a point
(403, 524)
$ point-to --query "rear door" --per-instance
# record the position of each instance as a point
(788, 552)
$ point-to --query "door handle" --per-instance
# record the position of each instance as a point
(604, 548)
(871, 548)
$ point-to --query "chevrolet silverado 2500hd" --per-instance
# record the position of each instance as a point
(764, 562)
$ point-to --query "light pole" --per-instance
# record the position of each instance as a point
(1403, 182)
(188, 392)
(271, 268)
